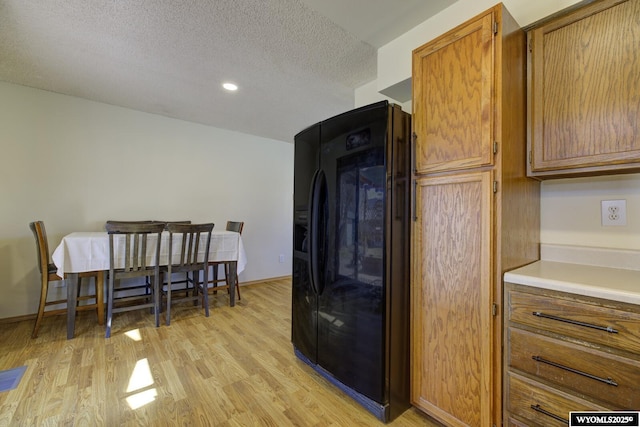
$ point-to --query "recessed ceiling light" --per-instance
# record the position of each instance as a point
(230, 87)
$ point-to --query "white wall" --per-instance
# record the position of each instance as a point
(74, 163)
(571, 213)
(570, 208)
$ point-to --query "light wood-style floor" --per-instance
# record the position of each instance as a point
(235, 368)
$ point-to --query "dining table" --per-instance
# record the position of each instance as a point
(84, 251)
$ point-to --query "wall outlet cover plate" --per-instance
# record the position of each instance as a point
(614, 212)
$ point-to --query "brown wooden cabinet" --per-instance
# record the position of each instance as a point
(476, 213)
(584, 91)
(453, 97)
(452, 297)
(567, 352)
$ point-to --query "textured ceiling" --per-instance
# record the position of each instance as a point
(296, 61)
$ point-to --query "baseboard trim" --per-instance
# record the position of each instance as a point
(15, 319)
(271, 279)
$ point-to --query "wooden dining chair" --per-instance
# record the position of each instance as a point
(185, 259)
(236, 226)
(147, 285)
(186, 280)
(48, 274)
(134, 245)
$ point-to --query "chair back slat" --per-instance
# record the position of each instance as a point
(185, 252)
(141, 255)
(42, 245)
(195, 246)
(236, 226)
(131, 252)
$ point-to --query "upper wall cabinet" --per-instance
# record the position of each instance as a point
(584, 91)
(453, 81)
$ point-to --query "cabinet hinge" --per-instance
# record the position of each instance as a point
(529, 157)
(494, 309)
(495, 186)
(530, 46)
(495, 147)
(414, 138)
(495, 27)
(414, 208)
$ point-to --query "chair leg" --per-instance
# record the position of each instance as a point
(186, 285)
(195, 286)
(100, 297)
(109, 306)
(226, 277)
(156, 299)
(214, 273)
(167, 313)
(161, 306)
(205, 294)
(44, 289)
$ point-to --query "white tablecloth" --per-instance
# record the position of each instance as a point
(89, 251)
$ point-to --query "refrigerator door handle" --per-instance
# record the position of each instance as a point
(314, 201)
(320, 230)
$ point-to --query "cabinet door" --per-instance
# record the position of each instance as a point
(584, 91)
(452, 98)
(451, 323)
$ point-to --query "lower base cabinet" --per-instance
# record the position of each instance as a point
(566, 352)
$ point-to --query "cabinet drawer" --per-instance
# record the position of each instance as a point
(602, 376)
(579, 320)
(541, 405)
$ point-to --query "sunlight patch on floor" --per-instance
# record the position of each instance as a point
(140, 379)
(134, 334)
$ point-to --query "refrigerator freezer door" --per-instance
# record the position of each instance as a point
(304, 299)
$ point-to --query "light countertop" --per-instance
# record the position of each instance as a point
(601, 282)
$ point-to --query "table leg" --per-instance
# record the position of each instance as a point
(72, 300)
(233, 276)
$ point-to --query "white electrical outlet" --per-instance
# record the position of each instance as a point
(281, 258)
(614, 212)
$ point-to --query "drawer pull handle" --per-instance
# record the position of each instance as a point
(537, 408)
(575, 322)
(575, 371)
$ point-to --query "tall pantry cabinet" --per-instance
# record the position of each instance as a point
(476, 213)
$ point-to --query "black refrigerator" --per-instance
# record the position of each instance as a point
(350, 303)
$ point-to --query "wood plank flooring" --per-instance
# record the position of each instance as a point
(235, 368)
